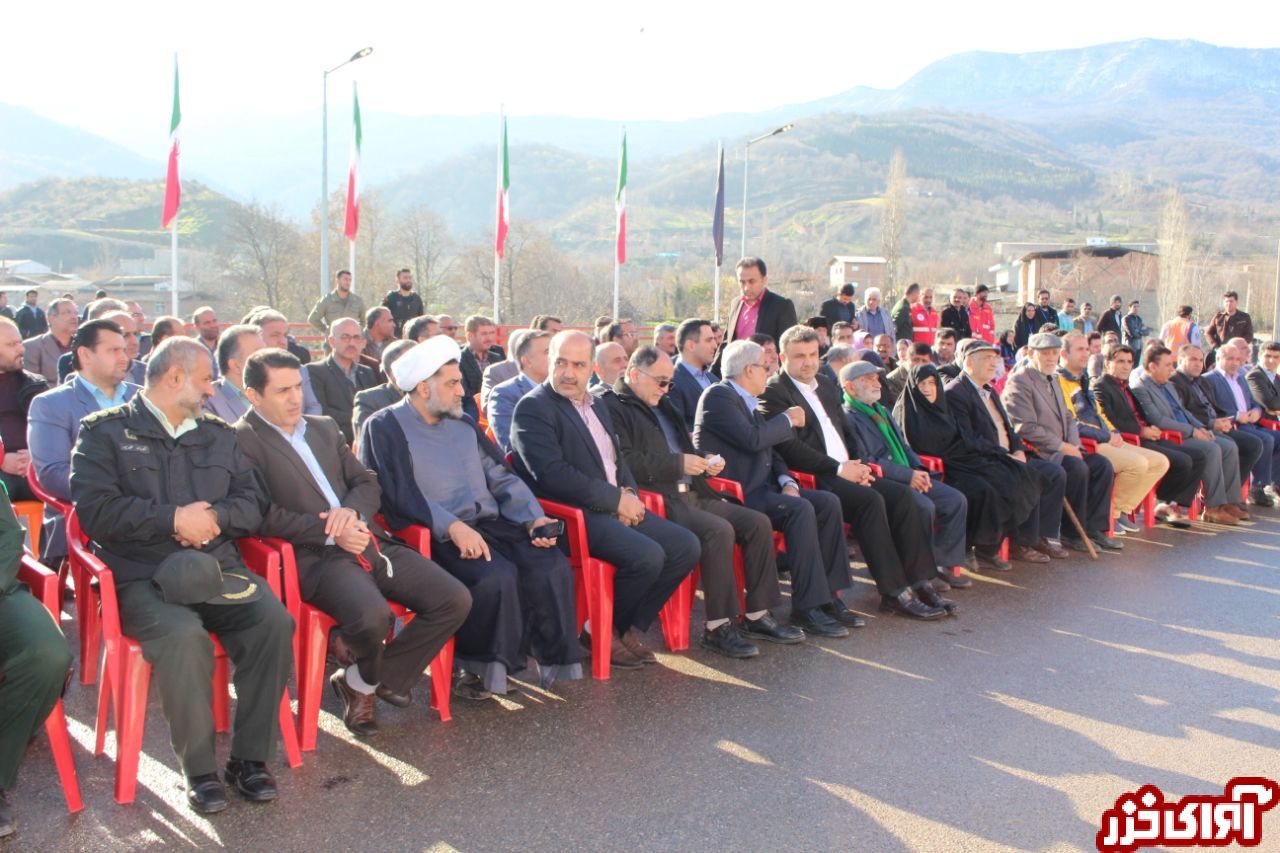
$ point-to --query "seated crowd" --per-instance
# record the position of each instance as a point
(930, 443)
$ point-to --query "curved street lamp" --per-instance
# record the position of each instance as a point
(746, 161)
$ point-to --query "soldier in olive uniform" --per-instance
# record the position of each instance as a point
(157, 477)
(34, 660)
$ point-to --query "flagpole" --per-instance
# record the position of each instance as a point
(173, 267)
(497, 259)
(718, 219)
(351, 262)
(617, 266)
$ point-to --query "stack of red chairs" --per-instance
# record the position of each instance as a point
(45, 587)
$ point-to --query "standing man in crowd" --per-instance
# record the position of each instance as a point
(840, 308)
(758, 310)
(1045, 313)
(30, 317)
(336, 304)
(956, 315)
(205, 321)
(982, 317)
(1134, 328)
(1230, 322)
(873, 318)
(403, 302)
(1111, 318)
(1085, 324)
(177, 517)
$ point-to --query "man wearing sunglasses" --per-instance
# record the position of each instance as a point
(657, 448)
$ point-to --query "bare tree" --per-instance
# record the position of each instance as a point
(421, 238)
(265, 250)
(1175, 252)
(892, 219)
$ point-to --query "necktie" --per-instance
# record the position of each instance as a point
(1173, 404)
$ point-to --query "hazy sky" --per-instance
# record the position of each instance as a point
(106, 67)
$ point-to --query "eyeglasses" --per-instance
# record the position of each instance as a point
(346, 339)
(664, 384)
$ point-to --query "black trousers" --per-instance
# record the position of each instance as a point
(718, 524)
(651, 559)
(34, 660)
(887, 524)
(357, 601)
(258, 638)
(18, 487)
(1089, 481)
(523, 598)
(813, 528)
(1046, 520)
(1180, 482)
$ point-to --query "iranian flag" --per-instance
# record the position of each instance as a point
(620, 201)
(172, 186)
(504, 200)
(353, 175)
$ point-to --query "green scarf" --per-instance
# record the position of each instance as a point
(880, 418)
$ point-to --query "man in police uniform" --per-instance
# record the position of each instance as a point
(156, 478)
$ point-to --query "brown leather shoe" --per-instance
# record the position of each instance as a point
(631, 640)
(1240, 511)
(1221, 515)
(357, 707)
(1051, 549)
(1024, 554)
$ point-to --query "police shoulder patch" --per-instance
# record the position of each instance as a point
(93, 419)
(210, 418)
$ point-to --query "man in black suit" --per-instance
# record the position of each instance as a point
(336, 380)
(840, 308)
(902, 564)
(729, 425)
(696, 343)
(982, 418)
(1263, 380)
(758, 310)
(567, 449)
(480, 352)
(1186, 466)
(956, 315)
(657, 448)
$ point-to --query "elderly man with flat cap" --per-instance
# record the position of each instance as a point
(153, 481)
(437, 469)
(1035, 402)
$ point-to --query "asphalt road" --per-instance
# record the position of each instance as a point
(1012, 726)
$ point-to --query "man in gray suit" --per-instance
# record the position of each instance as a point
(274, 327)
(42, 352)
(1034, 400)
(53, 422)
(235, 346)
(1161, 408)
(496, 374)
(337, 379)
(531, 355)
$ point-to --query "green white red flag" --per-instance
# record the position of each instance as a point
(353, 174)
(172, 185)
(620, 201)
(504, 199)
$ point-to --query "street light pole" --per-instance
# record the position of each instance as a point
(324, 171)
(746, 161)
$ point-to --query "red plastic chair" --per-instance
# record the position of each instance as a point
(934, 464)
(593, 583)
(126, 675)
(1197, 503)
(1148, 504)
(86, 599)
(311, 639)
(678, 611)
(44, 586)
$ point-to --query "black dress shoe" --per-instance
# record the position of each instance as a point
(471, 687)
(252, 779)
(906, 604)
(400, 700)
(954, 581)
(726, 640)
(1110, 543)
(814, 621)
(926, 593)
(771, 630)
(206, 795)
(840, 612)
(357, 708)
(993, 562)
(7, 825)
